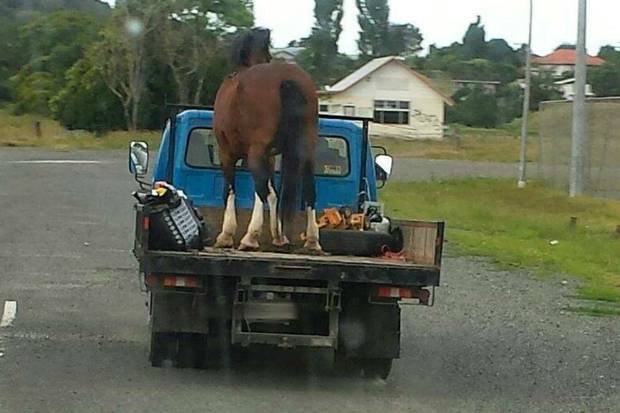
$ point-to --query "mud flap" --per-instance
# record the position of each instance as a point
(370, 331)
(179, 312)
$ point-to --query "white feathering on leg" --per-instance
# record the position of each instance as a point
(312, 230)
(250, 239)
(229, 226)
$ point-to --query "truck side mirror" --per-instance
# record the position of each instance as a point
(138, 158)
(383, 167)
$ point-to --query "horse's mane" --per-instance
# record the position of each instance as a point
(249, 43)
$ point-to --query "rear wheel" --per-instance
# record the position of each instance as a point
(163, 352)
(376, 368)
(192, 350)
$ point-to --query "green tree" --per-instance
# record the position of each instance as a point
(52, 44)
(499, 51)
(373, 18)
(542, 89)
(474, 107)
(379, 37)
(320, 57)
(404, 39)
(605, 79)
(122, 55)
(474, 41)
(12, 54)
(85, 102)
(610, 54)
(190, 33)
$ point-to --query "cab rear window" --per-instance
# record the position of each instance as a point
(332, 153)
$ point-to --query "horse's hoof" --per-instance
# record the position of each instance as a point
(313, 247)
(224, 241)
(249, 243)
(248, 247)
(281, 242)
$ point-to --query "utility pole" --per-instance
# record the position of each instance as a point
(526, 102)
(579, 107)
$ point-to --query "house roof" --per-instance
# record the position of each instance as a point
(565, 81)
(291, 50)
(478, 82)
(565, 57)
(373, 66)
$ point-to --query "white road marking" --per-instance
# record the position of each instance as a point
(59, 161)
(9, 314)
(62, 256)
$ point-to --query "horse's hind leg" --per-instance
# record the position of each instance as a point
(312, 228)
(279, 239)
(259, 166)
(229, 225)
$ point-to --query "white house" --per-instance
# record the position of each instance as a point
(401, 101)
(567, 88)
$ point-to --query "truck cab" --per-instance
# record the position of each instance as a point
(346, 171)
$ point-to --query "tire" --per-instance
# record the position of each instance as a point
(163, 351)
(192, 351)
(346, 366)
(376, 368)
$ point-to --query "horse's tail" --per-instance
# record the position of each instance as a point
(290, 140)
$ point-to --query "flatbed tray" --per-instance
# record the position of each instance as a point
(223, 262)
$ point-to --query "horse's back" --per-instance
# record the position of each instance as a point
(269, 77)
(260, 92)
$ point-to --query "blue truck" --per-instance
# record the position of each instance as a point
(206, 305)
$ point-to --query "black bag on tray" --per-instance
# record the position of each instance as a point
(175, 226)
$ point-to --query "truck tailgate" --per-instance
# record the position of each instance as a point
(217, 262)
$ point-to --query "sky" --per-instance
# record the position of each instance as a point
(443, 22)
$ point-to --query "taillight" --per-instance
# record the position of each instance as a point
(181, 281)
(152, 280)
(394, 292)
(146, 222)
(401, 293)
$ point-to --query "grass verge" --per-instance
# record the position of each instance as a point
(474, 144)
(524, 228)
(496, 145)
(19, 131)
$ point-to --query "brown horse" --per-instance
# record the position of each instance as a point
(262, 110)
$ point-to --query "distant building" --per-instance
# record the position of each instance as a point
(286, 54)
(562, 60)
(401, 101)
(567, 88)
(489, 86)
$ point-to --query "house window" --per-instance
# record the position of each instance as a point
(323, 108)
(348, 110)
(392, 112)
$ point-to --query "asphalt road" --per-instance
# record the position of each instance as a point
(415, 169)
(494, 342)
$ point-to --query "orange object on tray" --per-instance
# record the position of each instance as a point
(357, 222)
(331, 219)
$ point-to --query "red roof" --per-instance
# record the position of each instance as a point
(565, 57)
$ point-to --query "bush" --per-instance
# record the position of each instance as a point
(474, 107)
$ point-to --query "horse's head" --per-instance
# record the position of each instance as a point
(251, 48)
